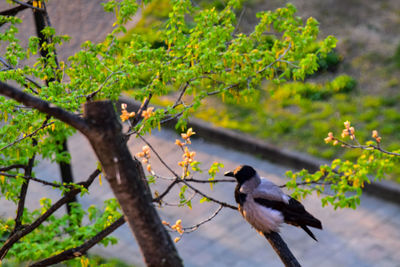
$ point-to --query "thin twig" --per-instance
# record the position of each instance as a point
(180, 204)
(196, 226)
(210, 181)
(239, 20)
(174, 117)
(44, 125)
(159, 157)
(9, 67)
(166, 191)
(135, 120)
(210, 198)
(163, 178)
(90, 96)
(276, 60)
(367, 147)
(309, 183)
(33, 179)
(183, 90)
(179, 180)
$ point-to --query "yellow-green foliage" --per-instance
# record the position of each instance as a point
(152, 20)
(301, 114)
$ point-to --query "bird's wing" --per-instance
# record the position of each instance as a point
(293, 212)
(268, 190)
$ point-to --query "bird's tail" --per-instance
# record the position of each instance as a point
(308, 219)
(308, 231)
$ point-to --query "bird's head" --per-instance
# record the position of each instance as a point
(242, 173)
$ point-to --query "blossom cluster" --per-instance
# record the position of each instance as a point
(176, 227)
(146, 114)
(145, 154)
(376, 136)
(125, 115)
(349, 131)
(188, 156)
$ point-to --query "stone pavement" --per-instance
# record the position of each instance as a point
(368, 236)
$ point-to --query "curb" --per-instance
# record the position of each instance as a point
(384, 189)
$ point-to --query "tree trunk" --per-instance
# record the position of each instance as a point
(127, 180)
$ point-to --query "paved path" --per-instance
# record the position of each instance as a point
(368, 236)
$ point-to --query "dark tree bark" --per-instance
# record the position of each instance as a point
(24, 191)
(66, 173)
(14, 10)
(65, 168)
(127, 180)
(125, 175)
(40, 24)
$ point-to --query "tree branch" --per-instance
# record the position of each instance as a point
(90, 96)
(210, 198)
(28, 229)
(282, 249)
(44, 125)
(183, 90)
(9, 67)
(28, 5)
(135, 120)
(23, 192)
(31, 178)
(80, 250)
(180, 203)
(14, 166)
(367, 147)
(14, 10)
(196, 226)
(166, 191)
(210, 181)
(45, 107)
(185, 181)
(159, 157)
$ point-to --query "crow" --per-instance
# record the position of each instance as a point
(265, 206)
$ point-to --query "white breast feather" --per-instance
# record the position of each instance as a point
(263, 219)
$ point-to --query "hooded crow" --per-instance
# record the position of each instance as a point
(265, 206)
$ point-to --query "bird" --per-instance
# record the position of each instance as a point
(265, 206)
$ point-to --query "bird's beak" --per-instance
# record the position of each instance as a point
(229, 174)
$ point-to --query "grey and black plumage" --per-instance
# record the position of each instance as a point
(265, 206)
